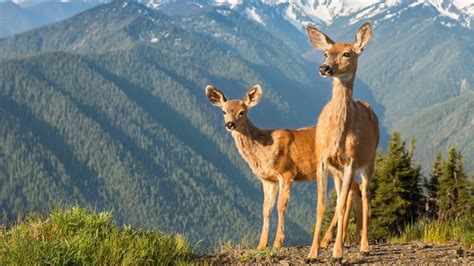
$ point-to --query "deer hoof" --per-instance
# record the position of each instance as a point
(324, 244)
(311, 260)
(336, 260)
(365, 253)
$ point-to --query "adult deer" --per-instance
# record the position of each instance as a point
(347, 134)
(276, 156)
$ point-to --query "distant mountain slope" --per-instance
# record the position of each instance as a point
(109, 107)
(15, 18)
(445, 124)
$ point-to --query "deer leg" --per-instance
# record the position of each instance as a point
(329, 232)
(357, 201)
(322, 188)
(285, 182)
(365, 191)
(269, 192)
(347, 180)
(347, 215)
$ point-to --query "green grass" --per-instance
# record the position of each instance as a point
(229, 246)
(267, 253)
(80, 236)
(460, 230)
(245, 251)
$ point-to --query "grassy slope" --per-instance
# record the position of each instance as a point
(79, 236)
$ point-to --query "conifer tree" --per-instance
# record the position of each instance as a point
(454, 195)
(463, 204)
(396, 193)
(432, 186)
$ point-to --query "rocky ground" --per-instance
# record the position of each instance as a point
(386, 254)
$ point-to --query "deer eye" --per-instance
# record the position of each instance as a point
(224, 112)
(241, 113)
(346, 54)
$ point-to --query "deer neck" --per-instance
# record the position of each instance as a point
(341, 100)
(340, 115)
(251, 141)
(247, 135)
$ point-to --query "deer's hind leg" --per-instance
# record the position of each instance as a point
(285, 182)
(365, 191)
(269, 192)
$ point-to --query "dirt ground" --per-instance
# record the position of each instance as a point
(387, 254)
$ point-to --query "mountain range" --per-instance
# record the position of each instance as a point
(107, 107)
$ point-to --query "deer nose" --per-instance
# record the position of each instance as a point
(325, 69)
(230, 125)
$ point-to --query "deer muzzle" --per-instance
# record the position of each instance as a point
(325, 70)
(230, 125)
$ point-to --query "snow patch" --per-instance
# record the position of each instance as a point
(461, 4)
(223, 12)
(252, 13)
(464, 87)
(231, 3)
(371, 12)
(447, 24)
(198, 5)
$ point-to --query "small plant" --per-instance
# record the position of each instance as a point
(229, 246)
(80, 236)
(259, 254)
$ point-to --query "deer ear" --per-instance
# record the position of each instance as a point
(318, 39)
(363, 36)
(215, 96)
(253, 96)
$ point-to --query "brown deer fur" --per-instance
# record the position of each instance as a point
(276, 156)
(347, 134)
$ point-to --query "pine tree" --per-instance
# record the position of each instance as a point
(396, 193)
(454, 195)
(463, 200)
(432, 186)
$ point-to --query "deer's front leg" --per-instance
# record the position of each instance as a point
(322, 188)
(329, 232)
(269, 193)
(285, 181)
(349, 171)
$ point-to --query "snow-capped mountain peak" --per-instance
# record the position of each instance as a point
(321, 12)
(302, 12)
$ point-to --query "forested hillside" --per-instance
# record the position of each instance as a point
(107, 109)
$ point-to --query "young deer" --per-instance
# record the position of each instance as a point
(276, 156)
(347, 134)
